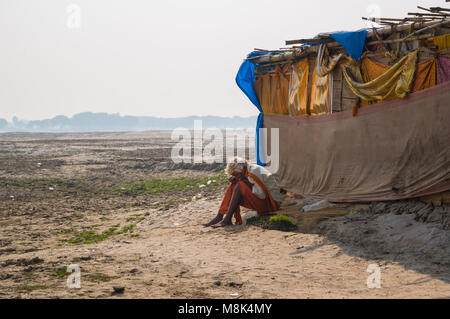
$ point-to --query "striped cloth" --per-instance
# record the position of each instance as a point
(322, 88)
(298, 84)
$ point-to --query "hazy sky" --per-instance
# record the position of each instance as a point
(160, 58)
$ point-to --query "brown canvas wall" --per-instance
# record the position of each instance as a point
(391, 150)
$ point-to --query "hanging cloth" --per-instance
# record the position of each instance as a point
(395, 82)
(325, 64)
(321, 93)
(322, 82)
(273, 91)
(443, 66)
(280, 90)
(298, 84)
(425, 75)
(370, 70)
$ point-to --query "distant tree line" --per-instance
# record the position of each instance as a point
(102, 122)
(3, 123)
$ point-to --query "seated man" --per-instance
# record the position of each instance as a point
(251, 186)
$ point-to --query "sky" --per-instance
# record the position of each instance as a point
(168, 58)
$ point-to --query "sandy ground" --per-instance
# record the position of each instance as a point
(168, 254)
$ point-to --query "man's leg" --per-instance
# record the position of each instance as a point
(236, 199)
(223, 207)
(215, 220)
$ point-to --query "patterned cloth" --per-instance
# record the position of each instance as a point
(298, 85)
(443, 66)
(322, 86)
(395, 82)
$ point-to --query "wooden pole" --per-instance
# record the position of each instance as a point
(420, 37)
(436, 9)
(395, 19)
(323, 40)
(382, 30)
(435, 25)
(389, 30)
(428, 14)
(425, 9)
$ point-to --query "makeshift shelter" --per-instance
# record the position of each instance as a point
(362, 115)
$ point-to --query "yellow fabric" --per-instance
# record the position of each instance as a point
(322, 82)
(370, 70)
(425, 75)
(320, 93)
(282, 91)
(395, 82)
(298, 85)
(273, 92)
(262, 88)
(442, 41)
(266, 103)
(325, 63)
(257, 86)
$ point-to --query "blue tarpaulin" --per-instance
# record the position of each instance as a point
(353, 42)
(244, 79)
(246, 76)
(259, 124)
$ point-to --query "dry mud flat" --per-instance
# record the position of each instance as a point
(114, 204)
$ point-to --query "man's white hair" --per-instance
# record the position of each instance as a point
(236, 165)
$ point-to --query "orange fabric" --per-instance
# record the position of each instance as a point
(370, 70)
(281, 91)
(356, 105)
(266, 96)
(425, 76)
(261, 184)
(273, 91)
(258, 85)
(249, 200)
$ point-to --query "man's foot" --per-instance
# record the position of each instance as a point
(223, 224)
(215, 220)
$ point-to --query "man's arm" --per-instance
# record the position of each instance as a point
(245, 179)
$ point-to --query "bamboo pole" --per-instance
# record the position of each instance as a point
(275, 58)
(380, 31)
(414, 19)
(400, 27)
(435, 25)
(437, 9)
(420, 37)
(315, 40)
(424, 9)
(428, 14)
(299, 52)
